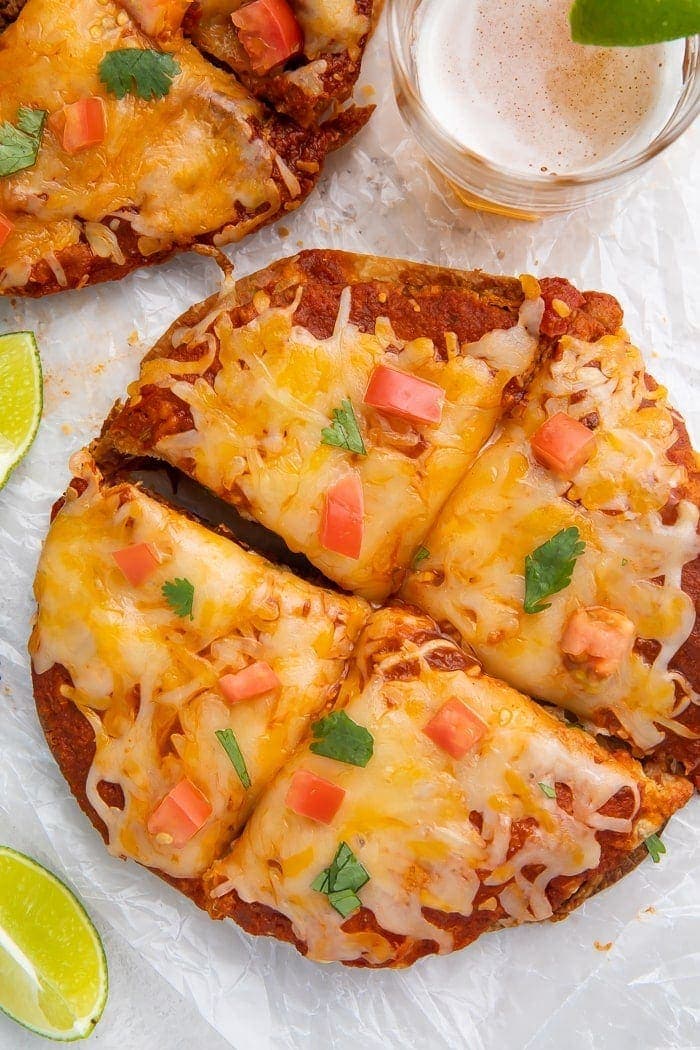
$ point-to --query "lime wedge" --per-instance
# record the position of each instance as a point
(53, 972)
(21, 398)
(621, 23)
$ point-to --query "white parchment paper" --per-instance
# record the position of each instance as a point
(623, 971)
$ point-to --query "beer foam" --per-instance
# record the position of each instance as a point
(506, 80)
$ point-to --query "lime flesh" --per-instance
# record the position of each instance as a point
(620, 23)
(21, 398)
(53, 972)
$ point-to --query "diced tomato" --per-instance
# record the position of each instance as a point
(137, 562)
(314, 797)
(181, 814)
(342, 521)
(158, 17)
(269, 32)
(598, 639)
(553, 324)
(80, 124)
(455, 728)
(401, 394)
(6, 228)
(563, 444)
(252, 681)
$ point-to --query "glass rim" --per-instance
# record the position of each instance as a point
(454, 156)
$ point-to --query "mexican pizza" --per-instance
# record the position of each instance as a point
(569, 559)
(476, 810)
(337, 399)
(461, 805)
(118, 148)
(349, 779)
(180, 646)
(311, 63)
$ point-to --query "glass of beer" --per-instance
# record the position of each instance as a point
(520, 119)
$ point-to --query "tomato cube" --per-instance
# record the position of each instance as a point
(252, 681)
(180, 815)
(83, 124)
(342, 521)
(313, 797)
(401, 394)
(137, 562)
(455, 728)
(563, 445)
(598, 639)
(269, 32)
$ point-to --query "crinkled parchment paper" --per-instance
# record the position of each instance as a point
(623, 971)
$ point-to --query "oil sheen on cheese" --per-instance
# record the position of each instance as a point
(506, 80)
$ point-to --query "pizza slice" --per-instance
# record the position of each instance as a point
(301, 56)
(174, 672)
(568, 558)
(433, 805)
(119, 147)
(338, 399)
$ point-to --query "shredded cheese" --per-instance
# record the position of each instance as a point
(508, 505)
(256, 439)
(409, 815)
(172, 170)
(146, 679)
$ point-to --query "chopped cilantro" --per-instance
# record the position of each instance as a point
(421, 554)
(179, 594)
(547, 790)
(341, 881)
(549, 568)
(344, 431)
(337, 736)
(655, 847)
(230, 745)
(19, 144)
(137, 71)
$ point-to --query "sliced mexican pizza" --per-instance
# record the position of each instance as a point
(338, 399)
(568, 558)
(174, 672)
(301, 56)
(434, 804)
(120, 146)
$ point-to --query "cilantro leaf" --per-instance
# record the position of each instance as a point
(344, 432)
(345, 902)
(19, 144)
(137, 71)
(547, 790)
(549, 568)
(421, 554)
(655, 847)
(338, 737)
(230, 745)
(31, 121)
(341, 881)
(179, 594)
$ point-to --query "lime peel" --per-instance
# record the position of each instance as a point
(53, 971)
(618, 23)
(21, 398)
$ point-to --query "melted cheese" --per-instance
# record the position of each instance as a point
(406, 815)
(172, 169)
(146, 679)
(256, 440)
(508, 505)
